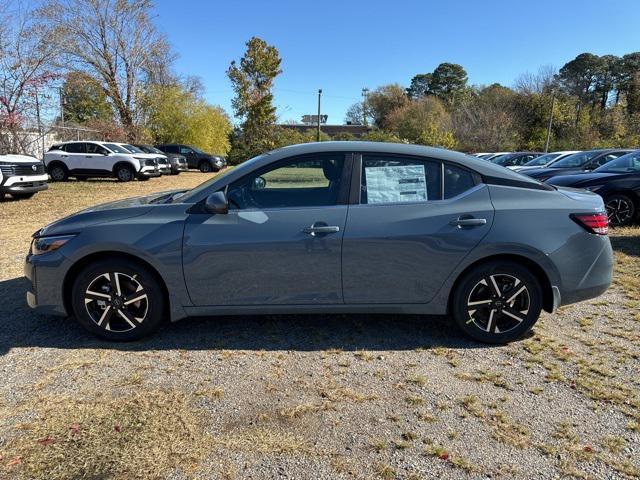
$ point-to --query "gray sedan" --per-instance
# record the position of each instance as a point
(332, 227)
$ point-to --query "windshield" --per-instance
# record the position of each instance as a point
(498, 157)
(194, 192)
(629, 163)
(502, 159)
(116, 148)
(132, 149)
(542, 160)
(575, 160)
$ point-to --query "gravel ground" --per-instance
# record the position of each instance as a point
(313, 396)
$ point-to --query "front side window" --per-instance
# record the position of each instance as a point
(185, 150)
(308, 181)
(96, 149)
(389, 179)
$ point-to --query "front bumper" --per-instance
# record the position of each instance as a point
(149, 172)
(24, 184)
(179, 167)
(164, 168)
(44, 293)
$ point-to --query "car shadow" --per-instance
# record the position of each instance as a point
(627, 244)
(22, 327)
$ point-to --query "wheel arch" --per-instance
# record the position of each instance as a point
(81, 263)
(120, 163)
(534, 267)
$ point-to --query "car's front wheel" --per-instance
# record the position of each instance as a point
(620, 210)
(205, 167)
(125, 173)
(497, 302)
(58, 173)
(117, 300)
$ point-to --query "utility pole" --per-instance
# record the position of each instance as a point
(40, 130)
(318, 132)
(61, 95)
(365, 94)
(553, 102)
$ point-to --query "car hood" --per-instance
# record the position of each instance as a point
(581, 179)
(19, 159)
(106, 212)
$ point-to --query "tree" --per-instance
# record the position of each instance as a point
(383, 100)
(175, 115)
(26, 62)
(252, 81)
(447, 81)
(578, 78)
(356, 114)
(83, 99)
(424, 121)
(420, 86)
(113, 41)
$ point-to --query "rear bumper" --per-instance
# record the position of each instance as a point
(586, 267)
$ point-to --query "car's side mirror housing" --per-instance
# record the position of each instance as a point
(216, 203)
(259, 183)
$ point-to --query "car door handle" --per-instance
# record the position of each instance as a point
(321, 229)
(468, 222)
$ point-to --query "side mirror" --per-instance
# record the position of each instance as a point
(258, 183)
(105, 153)
(217, 203)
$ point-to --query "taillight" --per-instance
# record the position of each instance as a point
(597, 223)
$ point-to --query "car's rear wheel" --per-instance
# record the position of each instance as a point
(620, 209)
(205, 167)
(124, 173)
(118, 300)
(497, 302)
(58, 173)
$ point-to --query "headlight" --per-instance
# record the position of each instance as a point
(140, 158)
(593, 188)
(48, 244)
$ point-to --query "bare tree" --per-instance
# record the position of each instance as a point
(540, 82)
(26, 55)
(114, 41)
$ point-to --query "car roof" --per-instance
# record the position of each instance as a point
(477, 164)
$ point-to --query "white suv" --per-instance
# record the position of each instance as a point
(21, 176)
(97, 159)
(163, 163)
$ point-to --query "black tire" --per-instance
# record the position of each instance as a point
(58, 172)
(104, 315)
(205, 166)
(620, 209)
(483, 315)
(22, 196)
(125, 173)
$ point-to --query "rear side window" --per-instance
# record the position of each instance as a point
(171, 149)
(75, 148)
(457, 180)
(389, 179)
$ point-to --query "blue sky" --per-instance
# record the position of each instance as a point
(342, 46)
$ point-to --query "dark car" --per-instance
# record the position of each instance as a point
(330, 227)
(177, 162)
(617, 182)
(196, 158)
(515, 159)
(577, 163)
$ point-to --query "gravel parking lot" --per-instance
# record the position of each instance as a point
(313, 397)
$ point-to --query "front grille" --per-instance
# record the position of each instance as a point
(150, 162)
(162, 161)
(22, 169)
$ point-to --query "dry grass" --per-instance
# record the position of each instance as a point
(146, 435)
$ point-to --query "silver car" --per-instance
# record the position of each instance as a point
(332, 227)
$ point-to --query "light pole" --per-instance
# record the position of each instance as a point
(553, 102)
(365, 93)
(318, 132)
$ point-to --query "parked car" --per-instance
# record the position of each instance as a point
(543, 160)
(97, 159)
(577, 163)
(331, 227)
(515, 158)
(163, 162)
(617, 182)
(21, 176)
(177, 162)
(483, 155)
(196, 158)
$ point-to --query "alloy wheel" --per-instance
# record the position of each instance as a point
(57, 174)
(116, 302)
(619, 210)
(498, 303)
(125, 175)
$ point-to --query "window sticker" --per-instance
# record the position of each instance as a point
(396, 184)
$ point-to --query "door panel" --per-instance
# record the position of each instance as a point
(402, 253)
(264, 257)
